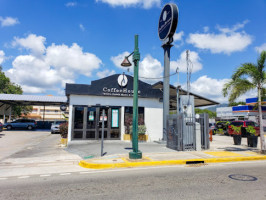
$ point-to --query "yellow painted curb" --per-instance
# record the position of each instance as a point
(86, 164)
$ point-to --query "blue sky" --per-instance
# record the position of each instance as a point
(46, 43)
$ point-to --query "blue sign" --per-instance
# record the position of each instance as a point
(168, 22)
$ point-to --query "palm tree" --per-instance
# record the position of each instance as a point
(248, 77)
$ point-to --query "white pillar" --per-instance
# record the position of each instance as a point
(122, 114)
(70, 119)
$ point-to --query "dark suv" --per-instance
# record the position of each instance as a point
(244, 124)
(21, 124)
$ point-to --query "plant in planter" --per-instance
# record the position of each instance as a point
(141, 129)
(236, 134)
(252, 138)
(63, 128)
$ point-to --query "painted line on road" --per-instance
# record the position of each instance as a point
(3, 179)
(45, 175)
(64, 174)
(21, 177)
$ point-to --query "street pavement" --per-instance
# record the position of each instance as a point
(24, 153)
(238, 181)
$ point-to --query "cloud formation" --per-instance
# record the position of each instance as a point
(181, 63)
(49, 68)
(261, 48)
(2, 56)
(71, 4)
(149, 68)
(129, 3)
(227, 41)
(8, 21)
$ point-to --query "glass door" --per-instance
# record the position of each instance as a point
(91, 123)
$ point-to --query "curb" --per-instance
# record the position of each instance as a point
(128, 164)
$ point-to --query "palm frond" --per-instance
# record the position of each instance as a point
(246, 69)
(261, 61)
(237, 88)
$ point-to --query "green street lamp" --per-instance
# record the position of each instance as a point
(135, 154)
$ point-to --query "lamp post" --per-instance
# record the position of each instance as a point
(135, 154)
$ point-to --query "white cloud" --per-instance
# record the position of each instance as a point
(105, 73)
(71, 4)
(212, 88)
(178, 36)
(181, 63)
(2, 56)
(261, 48)
(149, 67)
(72, 59)
(33, 43)
(206, 29)
(58, 65)
(8, 21)
(81, 27)
(227, 41)
(128, 3)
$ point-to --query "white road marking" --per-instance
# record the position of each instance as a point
(24, 177)
(64, 174)
(3, 178)
(45, 175)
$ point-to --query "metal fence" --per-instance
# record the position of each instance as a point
(182, 132)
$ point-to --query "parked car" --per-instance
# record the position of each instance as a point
(244, 124)
(55, 126)
(29, 124)
(1, 126)
(212, 126)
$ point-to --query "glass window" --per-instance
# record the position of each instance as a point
(129, 117)
(91, 118)
(78, 118)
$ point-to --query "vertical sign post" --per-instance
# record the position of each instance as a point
(166, 29)
(102, 132)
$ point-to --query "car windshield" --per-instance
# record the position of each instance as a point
(237, 123)
(58, 122)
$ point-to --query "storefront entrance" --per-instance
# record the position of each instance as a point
(87, 122)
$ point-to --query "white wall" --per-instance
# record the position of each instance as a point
(154, 123)
(113, 101)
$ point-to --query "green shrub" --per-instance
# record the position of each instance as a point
(236, 129)
(251, 130)
(141, 129)
(63, 128)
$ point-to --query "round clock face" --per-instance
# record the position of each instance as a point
(122, 80)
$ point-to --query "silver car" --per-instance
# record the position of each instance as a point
(55, 126)
(29, 124)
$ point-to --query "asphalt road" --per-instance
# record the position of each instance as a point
(243, 180)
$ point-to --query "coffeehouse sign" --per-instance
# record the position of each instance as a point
(118, 92)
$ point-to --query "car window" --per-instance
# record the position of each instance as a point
(237, 123)
(250, 123)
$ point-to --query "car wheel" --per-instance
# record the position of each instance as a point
(9, 127)
(30, 127)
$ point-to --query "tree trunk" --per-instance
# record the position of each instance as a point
(262, 138)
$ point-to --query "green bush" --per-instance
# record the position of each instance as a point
(141, 129)
(251, 130)
(63, 128)
(236, 129)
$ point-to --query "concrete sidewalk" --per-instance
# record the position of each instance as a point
(170, 158)
(221, 150)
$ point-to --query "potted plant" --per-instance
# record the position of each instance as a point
(63, 129)
(252, 138)
(236, 134)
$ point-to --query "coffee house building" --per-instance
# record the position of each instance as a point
(113, 96)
